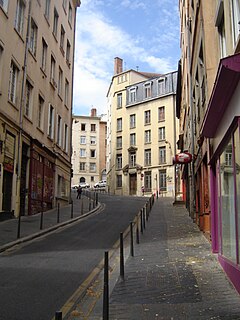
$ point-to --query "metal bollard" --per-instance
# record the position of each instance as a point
(137, 233)
(41, 220)
(143, 215)
(141, 220)
(89, 204)
(131, 233)
(72, 209)
(82, 207)
(58, 213)
(106, 289)
(19, 226)
(96, 198)
(121, 257)
(58, 315)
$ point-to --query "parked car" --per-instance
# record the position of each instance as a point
(84, 185)
(100, 184)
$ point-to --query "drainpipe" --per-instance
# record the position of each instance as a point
(192, 198)
(22, 104)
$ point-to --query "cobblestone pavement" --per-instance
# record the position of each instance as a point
(173, 275)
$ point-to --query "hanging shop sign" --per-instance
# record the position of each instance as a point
(184, 157)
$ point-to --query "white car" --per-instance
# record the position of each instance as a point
(100, 184)
(84, 185)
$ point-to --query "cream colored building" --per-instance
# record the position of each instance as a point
(36, 59)
(141, 132)
(89, 149)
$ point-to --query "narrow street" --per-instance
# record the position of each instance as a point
(37, 278)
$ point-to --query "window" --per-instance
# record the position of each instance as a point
(70, 14)
(93, 127)
(148, 90)
(119, 161)
(40, 112)
(227, 203)
(62, 39)
(147, 137)
(47, 9)
(235, 19)
(68, 52)
(119, 181)
(92, 167)
(132, 159)
(44, 55)
(4, 5)
(82, 139)
(33, 38)
(132, 94)
(161, 86)
(132, 139)
(52, 74)
(65, 146)
(82, 153)
(147, 157)
(220, 24)
(19, 20)
(162, 155)
(60, 81)
(161, 113)
(93, 153)
(82, 166)
(1, 65)
(119, 100)
(148, 181)
(147, 117)
(12, 95)
(66, 97)
(119, 124)
(59, 130)
(51, 121)
(132, 121)
(161, 133)
(83, 126)
(28, 99)
(55, 22)
(162, 180)
(119, 142)
(93, 140)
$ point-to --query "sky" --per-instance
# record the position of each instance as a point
(144, 33)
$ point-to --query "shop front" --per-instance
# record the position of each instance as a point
(222, 126)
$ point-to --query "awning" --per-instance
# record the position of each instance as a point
(226, 82)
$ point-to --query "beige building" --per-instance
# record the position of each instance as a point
(141, 132)
(36, 59)
(89, 149)
(208, 107)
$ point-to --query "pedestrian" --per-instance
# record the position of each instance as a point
(79, 192)
(143, 190)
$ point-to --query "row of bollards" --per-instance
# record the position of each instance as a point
(92, 204)
(142, 217)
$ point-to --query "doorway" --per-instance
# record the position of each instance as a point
(133, 184)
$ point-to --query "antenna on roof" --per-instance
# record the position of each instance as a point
(137, 67)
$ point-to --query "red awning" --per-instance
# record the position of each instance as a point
(226, 81)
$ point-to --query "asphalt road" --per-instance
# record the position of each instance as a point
(37, 278)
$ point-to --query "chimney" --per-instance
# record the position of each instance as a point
(118, 65)
(93, 112)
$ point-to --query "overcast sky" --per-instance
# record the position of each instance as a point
(145, 34)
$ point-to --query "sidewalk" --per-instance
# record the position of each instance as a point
(30, 225)
(173, 275)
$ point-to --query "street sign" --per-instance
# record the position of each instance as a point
(184, 157)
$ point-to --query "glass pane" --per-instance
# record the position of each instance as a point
(237, 168)
(227, 201)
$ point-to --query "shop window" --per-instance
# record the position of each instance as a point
(227, 203)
